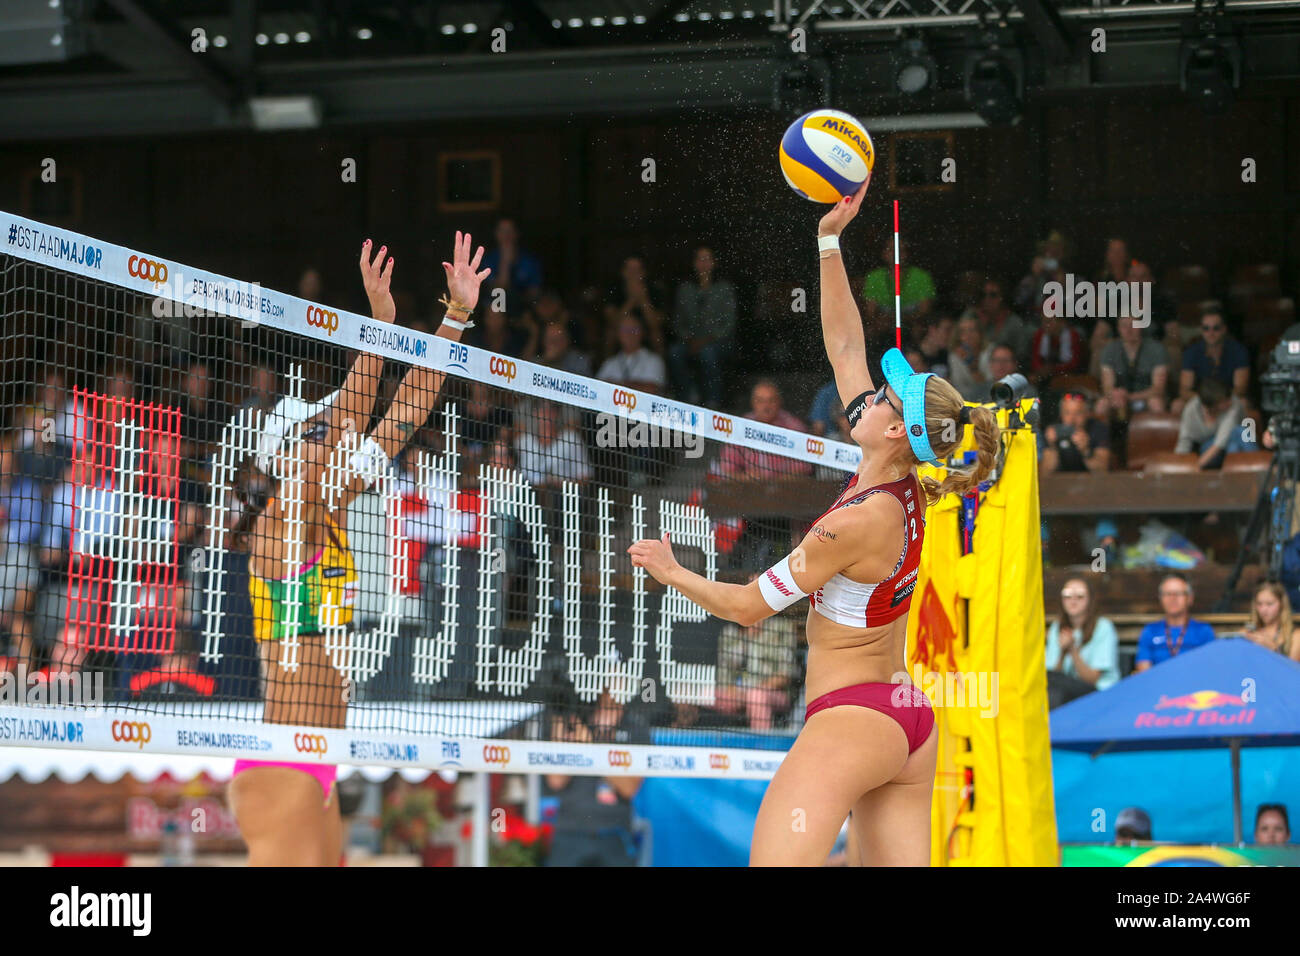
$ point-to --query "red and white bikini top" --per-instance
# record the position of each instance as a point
(868, 605)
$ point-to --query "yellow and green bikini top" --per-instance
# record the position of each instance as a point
(320, 595)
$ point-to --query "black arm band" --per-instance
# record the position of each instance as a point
(853, 411)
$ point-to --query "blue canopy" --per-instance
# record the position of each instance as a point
(1206, 697)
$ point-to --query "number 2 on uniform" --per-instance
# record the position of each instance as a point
(913, 523)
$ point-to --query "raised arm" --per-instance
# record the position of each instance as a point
(419, 388)
(418, 391)
(841, 322)
(351, 412)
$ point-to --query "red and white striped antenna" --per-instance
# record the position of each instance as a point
(898, 287)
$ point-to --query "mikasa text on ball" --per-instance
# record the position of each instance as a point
(826, 155)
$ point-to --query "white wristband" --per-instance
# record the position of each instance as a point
(778, 587)
(456, 323)
(826, 244)
(368, 463)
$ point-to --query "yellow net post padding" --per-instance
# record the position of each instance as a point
(975, 646)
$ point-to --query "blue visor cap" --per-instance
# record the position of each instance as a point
(909, 386)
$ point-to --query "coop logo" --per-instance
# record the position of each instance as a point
(620, 758)
(311, 744)
(719, 762)
(457, 356)
(503, 367)
(148, 269)
(496, 754)
(625, 398)
(132, 732)
(722, 423)
(319, 318)
(816, 447)
(1202, 708)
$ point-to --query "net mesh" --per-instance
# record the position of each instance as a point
(182, 523)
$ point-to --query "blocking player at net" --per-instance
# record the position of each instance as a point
(867, 747)
(301, 572)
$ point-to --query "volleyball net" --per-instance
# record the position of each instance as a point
(475, 605)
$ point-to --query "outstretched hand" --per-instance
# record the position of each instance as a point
(842, 213)
(376, 275)
(656, 556)
(463, 277)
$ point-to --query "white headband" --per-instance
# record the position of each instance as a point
(288, 412)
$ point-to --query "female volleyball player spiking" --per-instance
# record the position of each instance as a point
(867, 746)
(286, 811)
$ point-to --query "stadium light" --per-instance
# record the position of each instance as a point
(914, 68)
(995, 84)
(1210, 70)
(284, 112)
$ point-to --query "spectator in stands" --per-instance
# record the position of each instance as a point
(968, 359)
(1272, 825)
(497, 333)
(917, 288)
(1271, 624)
(594, 820)
(1048, 265)
(1215, 355)
(740, 463)
(1178, 632)
(634, 365)
(549, 448)
(1164, 310)
(933, 345)
(1079, 442)
(999, 325)
(704, 321)
(558, 351)
(1211, 425)
(1117, 263)
(1056, 349)
(1082, 646)
(310, 286)
(514, 270)
(1134, 371)
(820, 420)
(21, 507)
(637, 294)
(757, 669)
(202, 415)
(1132, 823)
(486, 419)
(263, 388)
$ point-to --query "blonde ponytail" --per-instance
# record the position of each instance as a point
(944, 408)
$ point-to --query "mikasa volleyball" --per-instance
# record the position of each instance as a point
(826, 155)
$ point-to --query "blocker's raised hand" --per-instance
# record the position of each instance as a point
(376, 274)
(463, 277)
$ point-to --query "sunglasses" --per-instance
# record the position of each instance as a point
(882, 397)
(1211, 328)
(315, 432)
(1074, 594)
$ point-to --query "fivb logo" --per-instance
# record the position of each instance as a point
(1083, 299)
(75, 909)
(201, 298)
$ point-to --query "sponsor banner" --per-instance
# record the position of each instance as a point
(135, 732)
(241, 301)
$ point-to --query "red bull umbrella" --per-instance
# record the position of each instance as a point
(1230, 693)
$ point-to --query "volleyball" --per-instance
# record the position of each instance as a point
(826, 155)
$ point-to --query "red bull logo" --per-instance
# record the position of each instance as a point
(1201, 700)
(1202, 708)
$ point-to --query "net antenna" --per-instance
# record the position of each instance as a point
(898, 287)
